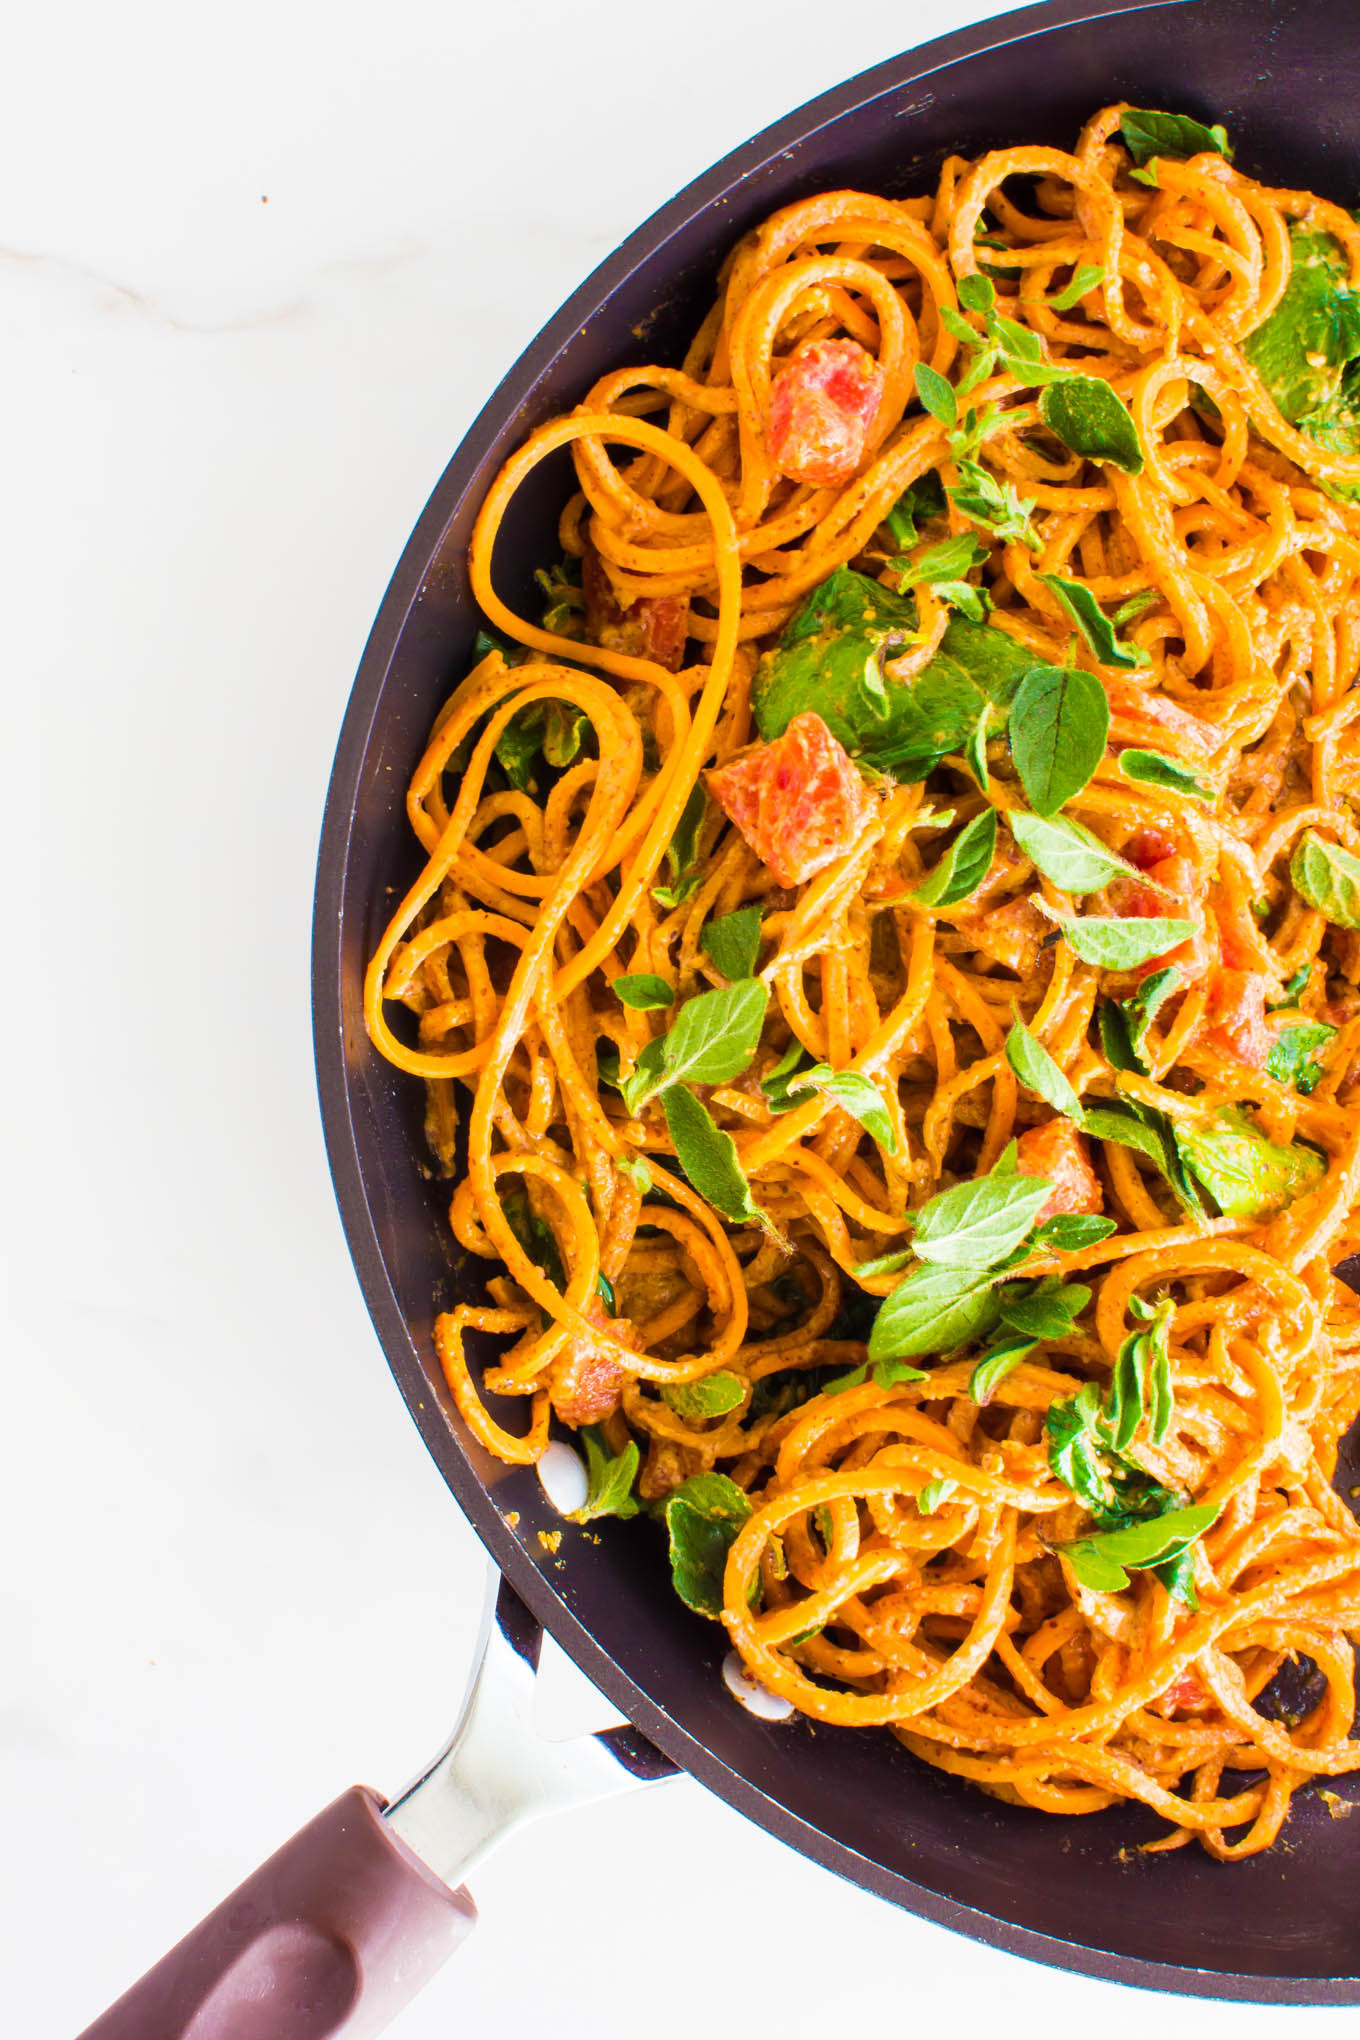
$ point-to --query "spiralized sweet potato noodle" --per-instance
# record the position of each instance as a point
(960, 1630)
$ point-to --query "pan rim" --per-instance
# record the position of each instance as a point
(896, 74)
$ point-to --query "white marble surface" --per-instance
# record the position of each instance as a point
(261, 266)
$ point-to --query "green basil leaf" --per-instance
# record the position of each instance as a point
(733, 943)
(644, 992)
(1307, 350)
(1044, 1312)
(1084, 280)
(1104, 1562)
(703, 1516)
(1090, 420)
(933, 1493)
(936, 394)
(1038, 1072)
(681, 855)
(933, 1310)
(975, 1225)
(1059, 722)
(609, 1479)
(1086, 613)
(854, 1092)
(713, 1395)
(1150, 768)
(1247, 1175)
(996, 1363)
(1328, 877)
(1178, 136)
(1064, 851)
(829, 659)
(1294, 1058)
(708, 1155)
(1069, 1231)
(1122, 943)
(964, 865)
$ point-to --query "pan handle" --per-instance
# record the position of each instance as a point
(333, 1935)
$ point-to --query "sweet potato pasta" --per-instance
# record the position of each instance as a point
(896, 921)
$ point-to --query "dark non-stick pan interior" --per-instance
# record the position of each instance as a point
(1285, 76)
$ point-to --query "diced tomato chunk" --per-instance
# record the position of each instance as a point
(654, 627)
(799, 802)
(1237, 1016)
(823, 404)
(1148, 846)
(1185, 1693)
(1058, 1152)
(586, 1381)
(1177, 899)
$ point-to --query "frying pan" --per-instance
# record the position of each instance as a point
(335, 1932)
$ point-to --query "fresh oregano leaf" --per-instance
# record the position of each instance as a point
(686, 876)
(609, 1478)
(1134, 606)
(934, 1310)
(1069, 1231)
(1088, 417)
(1124, 1028)
(1059, 721)
(1123, 942)
(854, 1092)
(1038, 1072)
(1086, 613)
(964, 865)
(646, 1076)
(715, 1035)
(996, 1363)
(644, 992)
(975, 1225)
(1150, 768)
(708, 1155)
(1073, 857)
(1149, 1132)
(1084, 280)
(936, 394)
(886, 1374)
(703, 1516)
(1045, 1311)
(933, 1493)
(713, 1395)
(1328, 877)
(975, 750)
(732, 943)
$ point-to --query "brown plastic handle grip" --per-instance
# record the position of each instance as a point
(333, 1935)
